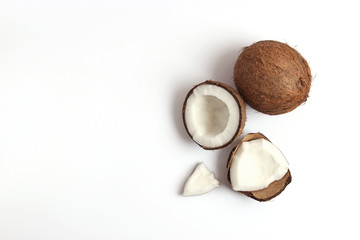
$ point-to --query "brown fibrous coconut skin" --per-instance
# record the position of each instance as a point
(272, 77)
(241, 105)
(274, 189)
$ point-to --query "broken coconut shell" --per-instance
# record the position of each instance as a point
(272, 77)
(214, 114)
(274, 189)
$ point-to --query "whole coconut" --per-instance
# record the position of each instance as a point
(272, 77)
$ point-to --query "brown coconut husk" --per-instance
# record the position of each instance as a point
(241, 105)
(274, 189)
(272, 77)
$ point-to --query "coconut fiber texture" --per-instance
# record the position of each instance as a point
(274, 189)
(272, 77)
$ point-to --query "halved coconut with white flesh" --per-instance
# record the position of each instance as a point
(201, 181)
(213, 114)
(257, 168)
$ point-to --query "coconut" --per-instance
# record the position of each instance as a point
(213, 114)
(257, 168)
(272, 77)
(201, 181)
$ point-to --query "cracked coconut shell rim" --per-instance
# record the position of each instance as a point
(257, 168)
(213, 114)
(272, 77)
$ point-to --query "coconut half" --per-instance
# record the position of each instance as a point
(213, 114)
(257, 168)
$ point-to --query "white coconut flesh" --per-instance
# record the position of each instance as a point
(201, 181)
(212, 115)
(256, 164)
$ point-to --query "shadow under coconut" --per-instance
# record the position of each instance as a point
(223, 69)
(177, 106)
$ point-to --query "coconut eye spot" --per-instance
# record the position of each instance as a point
(211, 115)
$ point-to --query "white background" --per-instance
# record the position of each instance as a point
(92, 144)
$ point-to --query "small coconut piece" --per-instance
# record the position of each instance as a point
(213, 114)
(257, 168)
(201, 181)
(272, 77)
